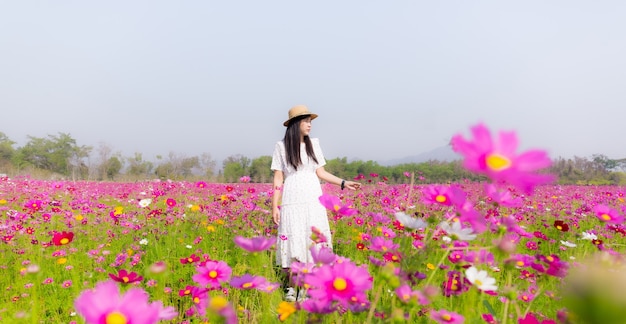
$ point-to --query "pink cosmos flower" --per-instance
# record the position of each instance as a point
(343, 282)
(105, 304)
(255, 244)
(446, 317)
(380, 244)
(503, 198)
(212, 274)
(608, 215)
(248, 281)
(335, 205)
(322, 254)
(438, 195)
(498, 160)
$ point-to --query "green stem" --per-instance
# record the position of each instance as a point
(370, 315)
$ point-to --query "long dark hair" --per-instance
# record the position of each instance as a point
(292, 143)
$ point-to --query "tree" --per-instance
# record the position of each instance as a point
(6, 149)
(207, 164)
(235, 167)
(58, 154)
(113, 167)
(260, 169)
(137, 166)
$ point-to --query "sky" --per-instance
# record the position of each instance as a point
(388, 79)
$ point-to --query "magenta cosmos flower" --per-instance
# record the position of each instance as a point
(343, 282)
(335, 205)
(608, 215)
(255, 244)
(498, 160)
(105, 304)
(212, 274)
(126, 277)
(446, 317)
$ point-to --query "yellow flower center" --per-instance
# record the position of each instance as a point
(340, 284)
(550, 259)
(336, 208)
(497, 162)
(213, 274)
(478, 282)
(218, 303)
(247, 285)
(196, 300)
(115, 318)
(125, 279)
(605, 217)
(64, 241)
(441, 198)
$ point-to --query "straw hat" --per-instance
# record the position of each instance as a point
(297, 111)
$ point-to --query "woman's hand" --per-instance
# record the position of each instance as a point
(276, 216)
(352, 185)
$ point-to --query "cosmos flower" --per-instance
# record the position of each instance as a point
(345, 283)
(437, 195)
(143, 203)
(322, 254)
(62, 238)
(480, 279)
(457, 232)
(255, 244)
(446, 317)
(589, 236)
(608, 215)
(126, 277)
(212, 274)
(410, 222)
(335, 205)
(247, 282)
(498, 160)
(170, 202)
(285, 310)
(105, 304)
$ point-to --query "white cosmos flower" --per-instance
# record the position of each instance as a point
(568, 244)
(145, 202)
(480, 279)
(144, 241)
(456, 231)
(589, 236)
(410, 222)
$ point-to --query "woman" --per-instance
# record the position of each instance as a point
(298, 165)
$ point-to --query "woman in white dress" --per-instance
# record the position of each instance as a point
(298, 165)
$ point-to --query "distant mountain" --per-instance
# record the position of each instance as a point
(443, 154)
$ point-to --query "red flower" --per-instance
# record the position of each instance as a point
(125, 277)
(62, 238)
(561, 226)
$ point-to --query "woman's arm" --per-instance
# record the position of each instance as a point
(278, 193)
(330, 178)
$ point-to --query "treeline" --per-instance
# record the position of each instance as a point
(60, 157)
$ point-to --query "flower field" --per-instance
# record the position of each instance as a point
(514, 249)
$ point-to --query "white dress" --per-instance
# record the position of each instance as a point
(300, 208)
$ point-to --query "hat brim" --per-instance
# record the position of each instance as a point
(313, 116)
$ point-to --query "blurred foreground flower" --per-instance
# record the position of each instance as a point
(334, 204)
(105, 304)
(594, 290)
(498, 160)
(255, 244)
